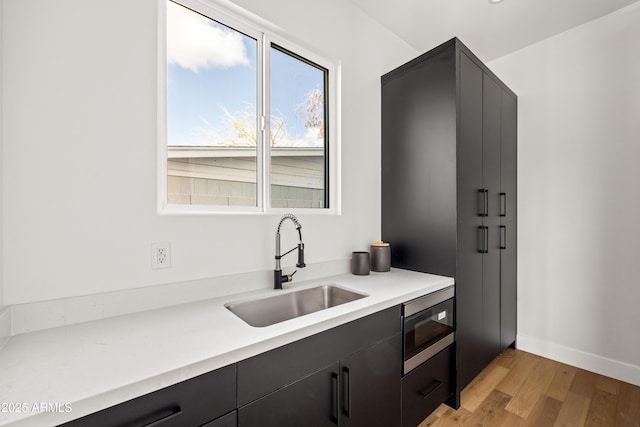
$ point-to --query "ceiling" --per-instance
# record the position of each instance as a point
(489, 30)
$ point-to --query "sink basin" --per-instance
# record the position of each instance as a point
(270, 310)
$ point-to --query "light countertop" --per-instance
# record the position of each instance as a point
(80, 369)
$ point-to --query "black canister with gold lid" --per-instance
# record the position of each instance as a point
(380, 256)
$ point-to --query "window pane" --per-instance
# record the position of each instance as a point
(298, 132)
(211, 111)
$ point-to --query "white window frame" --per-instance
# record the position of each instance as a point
(265, 33)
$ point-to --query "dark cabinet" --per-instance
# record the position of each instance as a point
(363, 389)
(370, 385)
(312, 401)
(449, 191)
(348, 376)
(192, 402)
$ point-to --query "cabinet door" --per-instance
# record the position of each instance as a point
(491, 171)
(370, 386)
(509, 182)
(310, 402)
(469, 333)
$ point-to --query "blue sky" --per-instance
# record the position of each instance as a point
(212, 81)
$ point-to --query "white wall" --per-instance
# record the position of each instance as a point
(579, 194)
(1, 166)
(80, 100)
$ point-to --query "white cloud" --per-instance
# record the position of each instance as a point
(195, 43)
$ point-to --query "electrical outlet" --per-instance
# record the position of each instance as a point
(160, 255)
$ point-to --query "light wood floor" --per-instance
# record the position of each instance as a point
(522, 389)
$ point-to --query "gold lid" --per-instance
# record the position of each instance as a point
(380, 243)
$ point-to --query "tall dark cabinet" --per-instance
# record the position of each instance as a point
(449, 191)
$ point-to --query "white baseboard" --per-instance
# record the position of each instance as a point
(588, 361)
(5, 325)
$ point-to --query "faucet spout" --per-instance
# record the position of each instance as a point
(278, 277)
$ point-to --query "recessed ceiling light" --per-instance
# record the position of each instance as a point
(494, 1)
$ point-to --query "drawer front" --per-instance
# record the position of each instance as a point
(189, 403)
(267, 372)
(426, 387)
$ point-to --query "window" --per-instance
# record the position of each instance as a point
(247, 125)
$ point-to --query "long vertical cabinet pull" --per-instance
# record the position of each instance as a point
(486, 202)
(483, 202)
(483, 239)
(346, 395)
(503, 204)
(335, 404)
(503, 237)
(486, 240)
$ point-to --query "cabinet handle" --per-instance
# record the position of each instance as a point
(433, 385)
(335, 404)
(174, 412)
(483, 239)
(486, 240)
(483, 202)
(503, 237)
(486, 202)
(346, 396)
(503, 204)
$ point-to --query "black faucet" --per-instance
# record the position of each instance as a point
(278, 277)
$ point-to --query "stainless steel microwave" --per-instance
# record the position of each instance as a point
(428, 327)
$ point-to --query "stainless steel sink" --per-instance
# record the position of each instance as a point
(270, 310)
